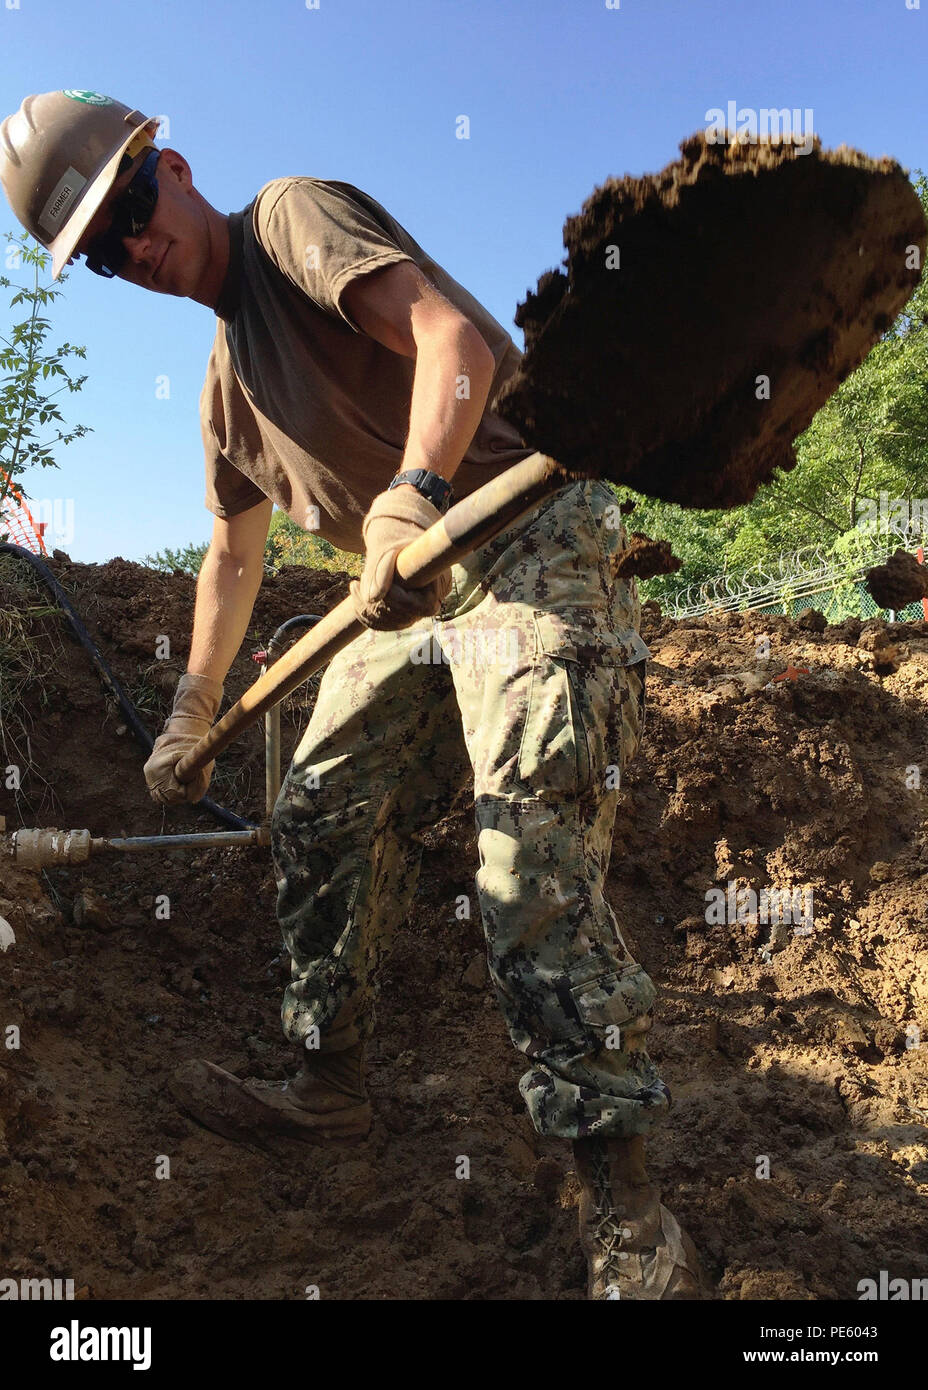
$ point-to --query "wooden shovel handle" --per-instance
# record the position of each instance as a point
(467, 526)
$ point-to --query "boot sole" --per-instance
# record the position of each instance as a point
(219, 1101)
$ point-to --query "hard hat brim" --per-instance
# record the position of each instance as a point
(62, 247)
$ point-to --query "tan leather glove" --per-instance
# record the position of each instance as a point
(196, 702)
(394, 519)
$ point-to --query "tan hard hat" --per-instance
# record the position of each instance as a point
(59, 157)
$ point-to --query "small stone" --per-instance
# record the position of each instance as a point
(850, 1036)
(91, 911)
(16, 1175)
(475, 976)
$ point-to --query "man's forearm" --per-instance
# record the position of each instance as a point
(454, 372)
(226, 592)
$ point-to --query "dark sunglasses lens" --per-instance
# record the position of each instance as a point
(132, 213)
(106, 256)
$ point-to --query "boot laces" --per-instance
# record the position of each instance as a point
(609, 1230)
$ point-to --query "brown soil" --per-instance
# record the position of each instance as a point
(774, 1044)
(736, 262)
(901, 581)
(645, 558)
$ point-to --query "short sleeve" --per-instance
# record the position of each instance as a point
(228, 491)
(322, 238)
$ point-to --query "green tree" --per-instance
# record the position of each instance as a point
(289, 544)
(286, 544)
(31, 423)
(188, 559)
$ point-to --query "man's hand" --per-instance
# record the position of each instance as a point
(196, 702)
(395, 518)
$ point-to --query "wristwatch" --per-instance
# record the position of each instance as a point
(432, 486)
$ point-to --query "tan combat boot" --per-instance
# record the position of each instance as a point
(634, 1247)
(326, 1101)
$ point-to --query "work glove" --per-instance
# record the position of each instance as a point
(381, 601)
(196, 702)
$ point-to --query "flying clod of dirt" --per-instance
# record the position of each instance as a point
(708, 311)
(901, 581)
(645, 558)
(812, 621)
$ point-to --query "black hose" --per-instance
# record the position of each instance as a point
(277, 642)
(109, 680)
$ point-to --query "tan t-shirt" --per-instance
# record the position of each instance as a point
(299, 404)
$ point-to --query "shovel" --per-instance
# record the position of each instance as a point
(706, 313)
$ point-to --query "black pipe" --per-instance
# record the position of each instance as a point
(276, 643)
(109, 680)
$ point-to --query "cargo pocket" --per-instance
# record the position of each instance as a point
(608, 998)
(585, 708)
(554, 756)
(634, 714)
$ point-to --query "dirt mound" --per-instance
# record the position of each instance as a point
(901, 581)
(708, 311)
(789, 1053)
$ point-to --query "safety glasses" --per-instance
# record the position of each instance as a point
(132, 212)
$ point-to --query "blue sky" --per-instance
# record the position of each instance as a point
(560, 95)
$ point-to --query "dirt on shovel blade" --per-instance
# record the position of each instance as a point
(708, 311)
(901, 581)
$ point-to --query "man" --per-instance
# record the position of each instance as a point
(351, 382)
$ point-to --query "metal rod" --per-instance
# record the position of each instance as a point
(38, 849)
(208, 839)
(271, 759)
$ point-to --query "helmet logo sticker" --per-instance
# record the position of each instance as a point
(89, 98)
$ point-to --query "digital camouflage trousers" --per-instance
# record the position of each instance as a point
(531, 682)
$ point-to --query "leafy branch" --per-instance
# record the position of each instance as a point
(27, 361)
